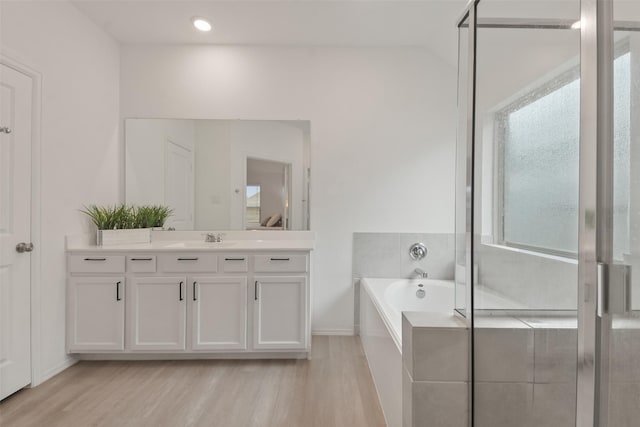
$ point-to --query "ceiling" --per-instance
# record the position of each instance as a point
(355, 23)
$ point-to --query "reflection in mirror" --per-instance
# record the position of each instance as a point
(268, 195)
(221, 174)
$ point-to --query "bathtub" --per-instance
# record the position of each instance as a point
(382, 302)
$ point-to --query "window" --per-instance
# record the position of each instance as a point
(537, 176)
(253, 205)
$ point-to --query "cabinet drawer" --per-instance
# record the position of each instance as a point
(96, 263)
(141, 263)
(277, 263)
(198, 262)
(235, 264)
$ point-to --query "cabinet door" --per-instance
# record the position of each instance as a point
(156, 317)
(95, 314)
(218, 313)
(280, 312)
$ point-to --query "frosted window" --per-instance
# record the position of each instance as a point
(541, 171)
(540, 167)
(621, 168)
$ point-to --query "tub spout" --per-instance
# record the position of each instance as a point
(420, 273)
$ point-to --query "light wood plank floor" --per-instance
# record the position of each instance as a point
(333, 389)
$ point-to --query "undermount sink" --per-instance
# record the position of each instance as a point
(200, 245)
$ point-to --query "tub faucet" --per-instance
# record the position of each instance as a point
(420, 273)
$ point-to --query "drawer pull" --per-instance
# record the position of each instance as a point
(188, 259)
(95, 259)
(180, 286)
(141, 259)
(195, 291)
(280, 259)
(118, 298)
(234, 259)
(255, 291)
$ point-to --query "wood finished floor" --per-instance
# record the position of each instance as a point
(333, 389)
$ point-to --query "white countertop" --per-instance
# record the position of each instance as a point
(193, 242)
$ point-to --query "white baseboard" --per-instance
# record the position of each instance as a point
(66, 363)
(342, 332)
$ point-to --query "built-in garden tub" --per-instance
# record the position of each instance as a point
(382, 302)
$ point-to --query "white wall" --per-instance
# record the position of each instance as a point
(81, 154)
(382, 135)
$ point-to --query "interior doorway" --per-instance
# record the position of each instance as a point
(16, 108)
(267, 195)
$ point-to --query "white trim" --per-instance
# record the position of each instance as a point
(338, 332)
(66, 363)
(36, 206)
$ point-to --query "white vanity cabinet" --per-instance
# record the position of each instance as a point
(218, 315)
(280, 315)
(96, 303)
(280, 312)
(236, 303)
(156, 313)
(95, 313)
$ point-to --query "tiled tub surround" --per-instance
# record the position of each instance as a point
(381, 335)
(525, 370)
(537, 281)
(435, 370)
(386, 255)
(525, 365)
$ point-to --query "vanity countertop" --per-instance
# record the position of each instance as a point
(296, 241)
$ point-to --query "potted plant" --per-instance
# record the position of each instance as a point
(123, 224)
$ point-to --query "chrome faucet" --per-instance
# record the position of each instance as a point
(213, 238)
(420, 273)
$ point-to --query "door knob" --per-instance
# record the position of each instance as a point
(24, 247)
(5, 129)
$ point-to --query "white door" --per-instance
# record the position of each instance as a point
(179, 186)
(280, 307)
(15, 227)
(96, 314)
(156, 313)
(219, 314)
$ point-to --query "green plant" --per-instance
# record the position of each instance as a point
(107, 217)
(151, 216)
(122, 217)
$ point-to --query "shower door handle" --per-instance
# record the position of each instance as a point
(613, 289)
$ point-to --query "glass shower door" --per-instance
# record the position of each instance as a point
(620, 332)
(553, 211)
(525, 213)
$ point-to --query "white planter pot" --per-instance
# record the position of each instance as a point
(123, 237)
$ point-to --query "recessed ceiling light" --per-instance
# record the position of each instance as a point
(576, 25)
(201, 24)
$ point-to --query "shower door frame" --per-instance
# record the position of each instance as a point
(595, 236)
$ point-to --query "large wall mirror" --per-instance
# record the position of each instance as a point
(221, 174)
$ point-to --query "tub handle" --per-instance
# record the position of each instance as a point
(418, 251)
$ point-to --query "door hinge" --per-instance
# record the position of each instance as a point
(614, 289)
